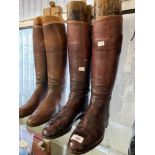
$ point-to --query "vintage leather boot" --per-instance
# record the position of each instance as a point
(79, 52)
(107, 40)
(40, 69)
(56, 54)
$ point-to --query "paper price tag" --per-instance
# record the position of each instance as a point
(81, 69)
(77, 138)
(100, 43)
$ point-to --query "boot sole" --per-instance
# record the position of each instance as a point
(87, 150)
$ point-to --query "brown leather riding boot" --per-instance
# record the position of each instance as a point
(79, 64)
(107, 40)
(55, 44)
(40, 69)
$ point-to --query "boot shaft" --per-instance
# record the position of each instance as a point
(79, 50)
(107, 41)
(39, 51)
(56, 53)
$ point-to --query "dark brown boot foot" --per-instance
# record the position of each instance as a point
(62, 122)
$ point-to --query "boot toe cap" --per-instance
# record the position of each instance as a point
(49, 132)
(45, 133)
(52, 130)
(78, 142)
(31, 122)
(83, 141)
(34, 120)
(38, 118)
(75, 147)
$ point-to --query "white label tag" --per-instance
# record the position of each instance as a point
(81, 69)
(100, 43)
(77, 138)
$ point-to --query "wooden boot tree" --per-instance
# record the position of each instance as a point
(54, 12)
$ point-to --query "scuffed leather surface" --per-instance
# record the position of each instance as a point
(55, 44)
(40, 71)
(104, 67)
(79, 56)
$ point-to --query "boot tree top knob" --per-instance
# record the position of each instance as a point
(52, 3)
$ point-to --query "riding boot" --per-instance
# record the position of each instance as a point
(106, 42)
(56, 54)
(40, 70)
(79, 52)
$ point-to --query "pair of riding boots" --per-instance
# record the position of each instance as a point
(50, 55)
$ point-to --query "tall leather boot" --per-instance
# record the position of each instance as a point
(55, 44)
(107, 40)
(40, 69)
(79, 65)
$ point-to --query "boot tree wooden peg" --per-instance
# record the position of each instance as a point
(53, 10)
